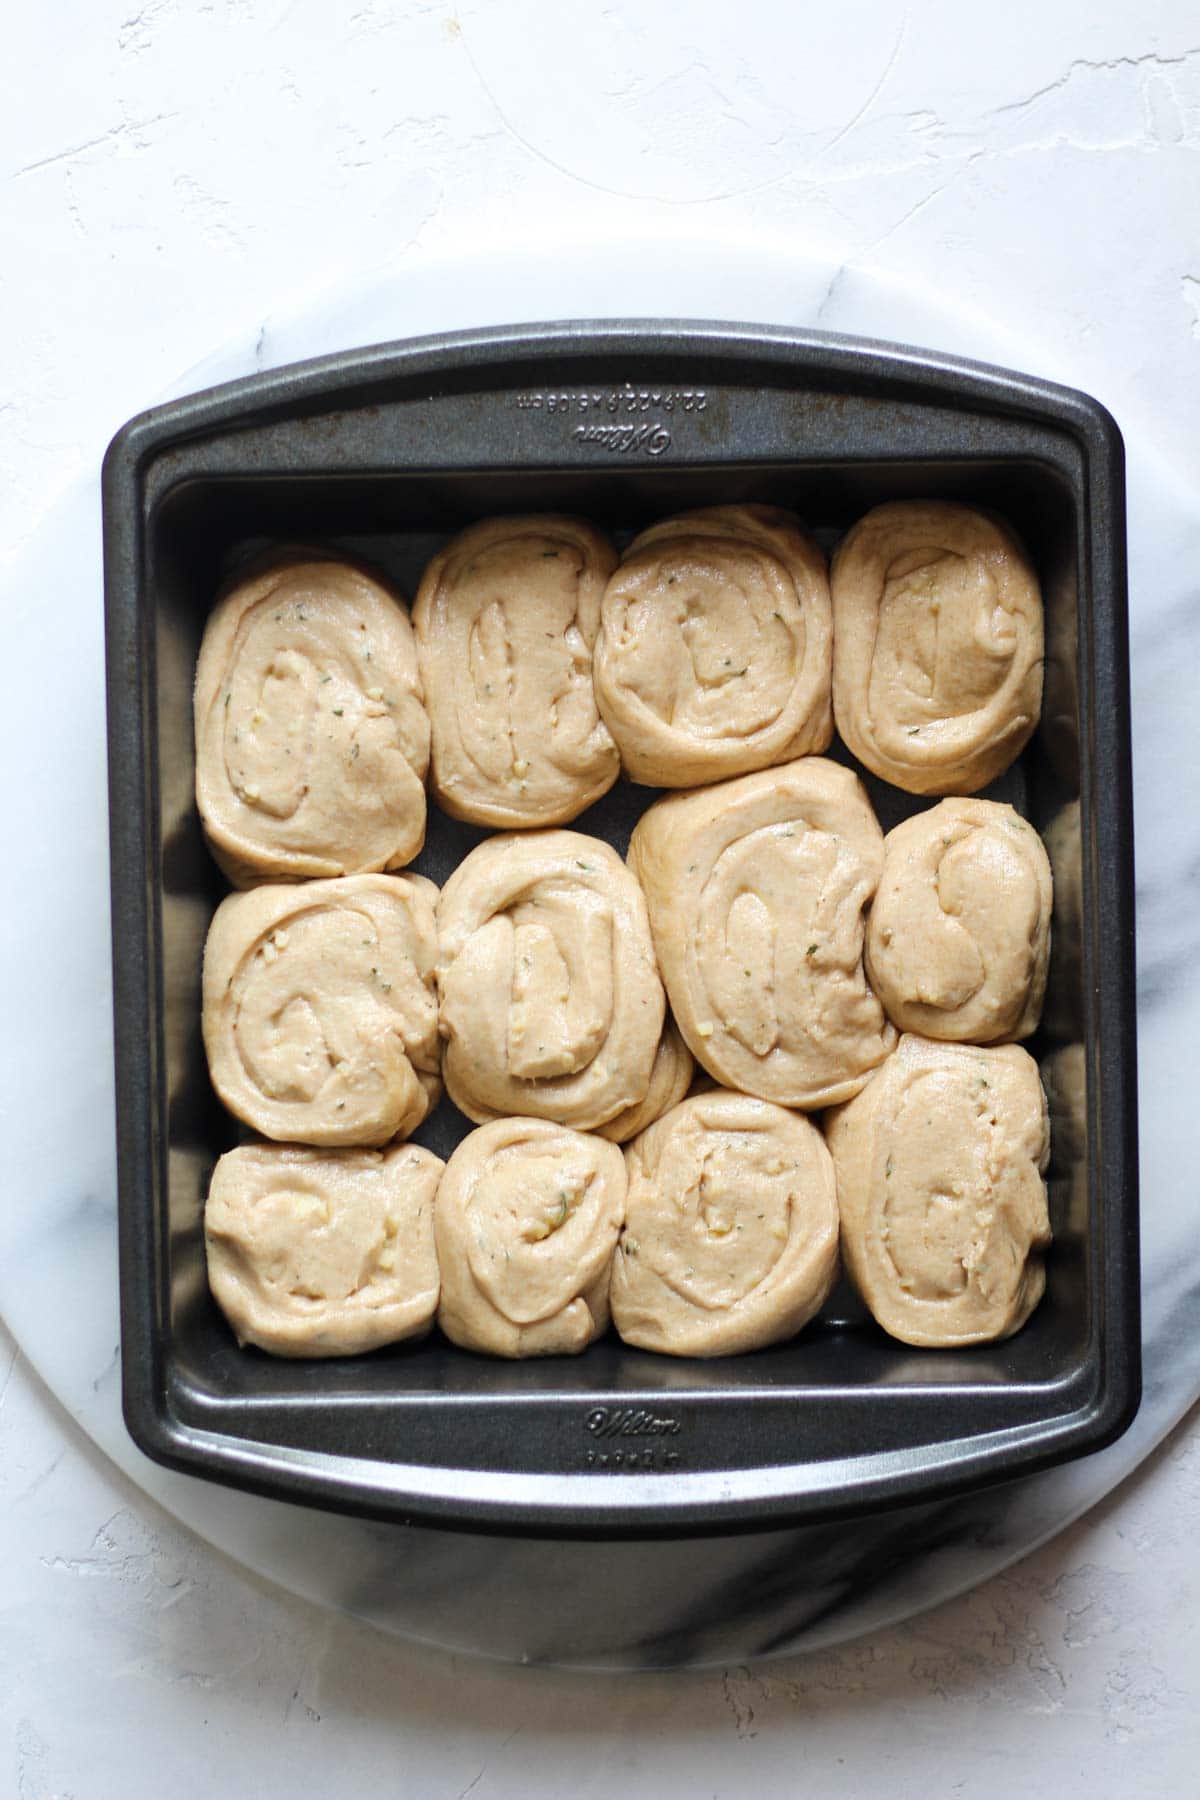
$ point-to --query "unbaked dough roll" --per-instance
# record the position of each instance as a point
(757, 890)
(731, 1228)
(551, 1003)
(937, 661)
(527, 1221)
(319, 1008)
(506, 619)
(714, 652)
(670, 1079)
(323, 1252)
(311, 737)
(940, 1163)
(959, 932)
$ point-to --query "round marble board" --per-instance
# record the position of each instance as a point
(587, 1604)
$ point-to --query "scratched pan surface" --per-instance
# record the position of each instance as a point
(385, 453)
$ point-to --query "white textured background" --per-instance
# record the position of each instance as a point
(134, 1661)
(172, 173)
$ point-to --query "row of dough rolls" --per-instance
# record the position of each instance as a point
(793, 939)
(332, 1011)
(716, 1233)
(536, 665)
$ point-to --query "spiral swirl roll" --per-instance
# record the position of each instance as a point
(506, 618)
(959, 934)
(940, 1164)
(319, 1008)
(551, 1003)
(527, 1221)
(312, 741)
(938, 640)
(714, 651)
(757, 890)
(323, 1252)
(731, 1228)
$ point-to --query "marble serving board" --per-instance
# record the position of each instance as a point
(589, 1604)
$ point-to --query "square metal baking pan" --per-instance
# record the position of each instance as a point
(384, 452)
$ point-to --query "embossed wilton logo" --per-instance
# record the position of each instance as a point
(625, 430)
(653, 439)
(630, 1421)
